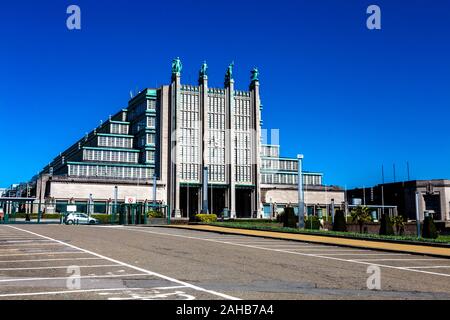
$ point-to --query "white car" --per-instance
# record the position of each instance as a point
(79, 218)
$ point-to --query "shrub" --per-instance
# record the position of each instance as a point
(102, 218)
(205, 218)
(280, 217)
(312, 223)
(289, 218)
(339, 221)
(386, 228)
(35, 215)
(399, 224)
(429, 228)
(361, 216)
(154, 214)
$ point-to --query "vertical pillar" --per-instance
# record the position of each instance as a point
(175, 172)
(256, 138)
(154, 191)
(204, 136)
(301, 198)
(230, 107)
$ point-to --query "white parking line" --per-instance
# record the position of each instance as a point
(39, 253)
(39, 260)
(60, 267)
(29, 244)
(428, 267)
(78, 277)
(84, 291)
(139, 229)
(24, 241)
(148, 272)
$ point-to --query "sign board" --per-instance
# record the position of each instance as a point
(71, 208)
(130, 200)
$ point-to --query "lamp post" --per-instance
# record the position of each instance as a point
(154, 191)
(417, 214)
(91, 206)
(205, 190)
(114, 211)
(301, 200)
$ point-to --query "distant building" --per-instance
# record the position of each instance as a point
(434, 197)
(279, 184)
(183, 135)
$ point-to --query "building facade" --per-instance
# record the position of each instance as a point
(434, 197)
(202, 145)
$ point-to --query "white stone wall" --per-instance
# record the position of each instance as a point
(446, 207)
(65, 191)
(311, 197)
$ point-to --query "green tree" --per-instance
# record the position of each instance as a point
(289, 218)
(429, 228)
(339, 221)
(399, 224)
(361, 216)
(386, 225)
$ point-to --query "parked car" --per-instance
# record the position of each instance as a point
(79, 218)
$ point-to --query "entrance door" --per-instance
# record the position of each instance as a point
(243, 203)
(189, 201)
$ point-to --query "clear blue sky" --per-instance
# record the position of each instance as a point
(348, 98)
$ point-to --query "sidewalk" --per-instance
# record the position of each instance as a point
(355, 243)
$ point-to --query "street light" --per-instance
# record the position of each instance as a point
(301, 200)
(417, 214)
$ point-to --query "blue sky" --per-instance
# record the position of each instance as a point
(350, 99)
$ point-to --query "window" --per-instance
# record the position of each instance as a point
(150, 138)
(151, 122)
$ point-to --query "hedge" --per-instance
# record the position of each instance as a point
(312, 223)
(206, 218)
(340, 223)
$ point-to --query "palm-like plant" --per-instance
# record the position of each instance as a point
(399, 224)
(361, 216)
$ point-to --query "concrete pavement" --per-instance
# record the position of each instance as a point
(117, 262)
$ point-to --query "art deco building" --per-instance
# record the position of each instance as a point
(202, 144)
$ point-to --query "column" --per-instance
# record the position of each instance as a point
(204, 136)
(230, 107)
(175, 172)
(256, 156)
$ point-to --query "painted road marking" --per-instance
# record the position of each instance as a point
(38, 260)
(61, 292)
(148, 272)
(428, 267)
(24, 241)
(104, 291)
(139, 229)
(30, 244)
(39, 253)
(78, 277)
(60, 267)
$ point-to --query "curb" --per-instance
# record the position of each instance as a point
(363, 243)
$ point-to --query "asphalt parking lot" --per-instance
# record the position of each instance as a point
(127, 262)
